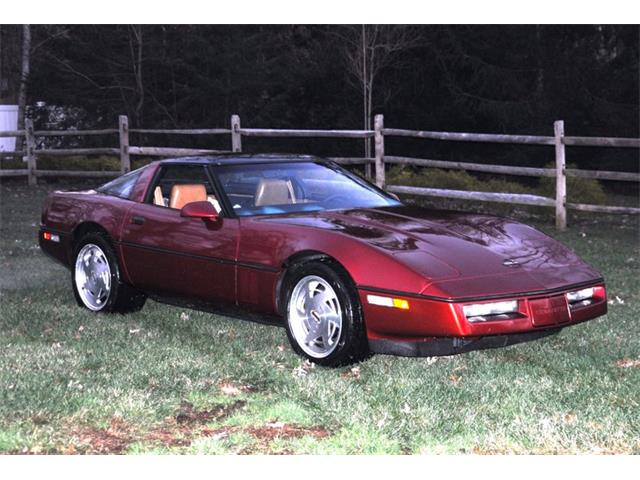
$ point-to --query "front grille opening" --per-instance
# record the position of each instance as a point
(495, 317)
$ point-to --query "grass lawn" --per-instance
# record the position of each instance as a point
(170, 380)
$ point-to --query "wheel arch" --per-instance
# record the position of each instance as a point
(87, 227)
(83, 229)
(299, 258)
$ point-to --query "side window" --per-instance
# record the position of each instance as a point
(177, 185)
(121, 186)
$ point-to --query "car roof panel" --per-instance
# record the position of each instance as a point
(241, 159)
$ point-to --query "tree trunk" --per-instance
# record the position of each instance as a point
(365, 104)
(24, 74)
(137, 32)
(370, 75)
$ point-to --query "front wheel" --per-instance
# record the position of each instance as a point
(324, 317)
(96, 278)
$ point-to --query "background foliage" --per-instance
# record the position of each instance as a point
(512, 79)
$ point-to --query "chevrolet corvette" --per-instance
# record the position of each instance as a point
(298, 241)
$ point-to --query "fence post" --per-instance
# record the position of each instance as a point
(561, 176)
(125, 160)
(236, 138)
(378, 125)
(30, 153)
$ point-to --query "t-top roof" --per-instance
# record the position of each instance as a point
(239, 158)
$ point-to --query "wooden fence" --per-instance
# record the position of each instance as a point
(559, 141)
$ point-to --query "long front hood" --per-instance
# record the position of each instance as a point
(464, 255)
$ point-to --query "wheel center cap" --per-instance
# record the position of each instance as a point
(315, 316)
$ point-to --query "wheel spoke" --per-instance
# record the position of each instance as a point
(310, 337)
(327, 334)
(323, 302)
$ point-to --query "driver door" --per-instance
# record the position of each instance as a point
(177, 256)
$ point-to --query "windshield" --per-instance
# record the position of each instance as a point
(268, 189)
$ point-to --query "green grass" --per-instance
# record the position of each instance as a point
(170, 380)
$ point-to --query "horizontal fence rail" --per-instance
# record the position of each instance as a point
(78, 173)
(14, 172)
(74, 133)
(602, 142)
(12, 133)
(265, 132)
(26, 148)
(171, 152)
(470, 137)
(186, 131)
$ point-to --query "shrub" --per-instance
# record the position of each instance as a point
(579, 190)
(79, 162)
(451, 180)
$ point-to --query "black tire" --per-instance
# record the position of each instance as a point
(122, 298)
(352, 345)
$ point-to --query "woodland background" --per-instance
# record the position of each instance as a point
(498, 79)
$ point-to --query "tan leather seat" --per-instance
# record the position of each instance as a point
(181, 194)
(273, 191)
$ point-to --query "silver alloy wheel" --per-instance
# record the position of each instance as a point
(93, 276)
(315, 316)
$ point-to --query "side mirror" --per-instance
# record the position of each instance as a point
(203, 210)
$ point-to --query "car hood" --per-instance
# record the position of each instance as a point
(464, 255)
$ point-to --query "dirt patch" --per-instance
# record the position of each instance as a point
(180, 430)
(114, 439)
(170, 437)
(271, 431)
(266, 434)
(183, 435)
(189, 415)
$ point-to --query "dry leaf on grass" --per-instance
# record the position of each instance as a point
(233, 389)
(353, 372)
(628, 363)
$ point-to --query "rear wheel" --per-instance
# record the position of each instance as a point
(96, 278)
(324, 317)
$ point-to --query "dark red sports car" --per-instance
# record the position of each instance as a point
(345, 267)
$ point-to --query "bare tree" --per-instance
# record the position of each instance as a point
(24, 74)
(135, 45)
(367, 51)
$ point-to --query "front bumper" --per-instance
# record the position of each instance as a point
(430, 326)
(436, 346)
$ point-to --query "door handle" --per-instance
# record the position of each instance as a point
(138, 220)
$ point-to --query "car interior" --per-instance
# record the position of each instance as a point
(182, 184)
(251, 191)
(182, 194)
